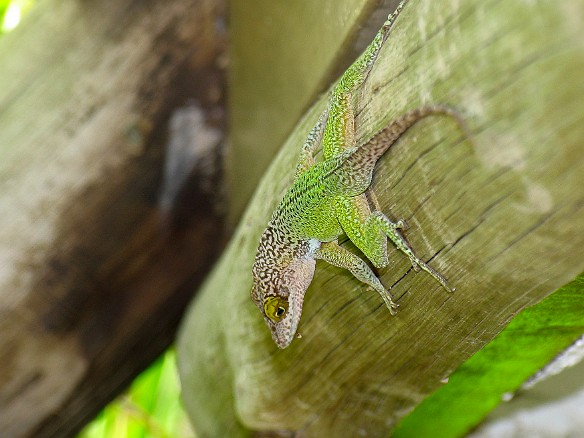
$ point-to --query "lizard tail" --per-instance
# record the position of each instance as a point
(359, 70)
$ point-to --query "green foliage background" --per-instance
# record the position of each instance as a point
(16, 8)
(531, 340)
(151, 408)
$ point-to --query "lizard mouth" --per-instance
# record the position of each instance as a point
(283, 332)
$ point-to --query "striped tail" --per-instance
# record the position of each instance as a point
(356, 74)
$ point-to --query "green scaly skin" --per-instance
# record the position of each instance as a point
(327, 199)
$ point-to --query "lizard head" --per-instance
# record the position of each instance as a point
(278, 291)
(281, 301)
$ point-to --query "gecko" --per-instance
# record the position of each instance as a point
(329, 198)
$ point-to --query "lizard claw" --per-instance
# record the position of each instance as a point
(415, 265)
(402, 225)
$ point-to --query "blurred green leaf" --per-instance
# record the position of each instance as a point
(11, 12)
(3, 8)
(150, 409)
(532, 339)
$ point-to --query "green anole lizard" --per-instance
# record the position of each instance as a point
(329, 198)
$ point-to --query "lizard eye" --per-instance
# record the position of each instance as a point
(275, 308)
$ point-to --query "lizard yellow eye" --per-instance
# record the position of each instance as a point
(275, 308)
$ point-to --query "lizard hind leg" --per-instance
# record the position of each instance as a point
(314, 139)
(369, 231)
(391, 229)
(372, 199)
(361, 226)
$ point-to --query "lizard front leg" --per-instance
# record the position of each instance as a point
(333, 253)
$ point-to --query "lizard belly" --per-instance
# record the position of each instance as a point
(320, 222)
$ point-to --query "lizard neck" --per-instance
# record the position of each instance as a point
(279, 246)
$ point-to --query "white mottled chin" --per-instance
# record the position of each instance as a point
(283, 342)
(283, 338)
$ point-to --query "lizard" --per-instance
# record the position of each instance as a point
(329, 198)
